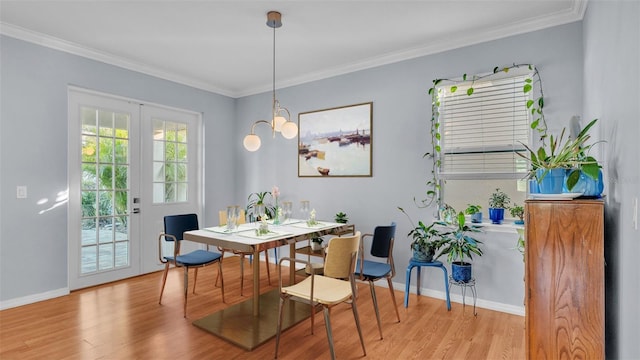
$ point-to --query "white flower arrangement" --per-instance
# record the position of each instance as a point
(312, 218)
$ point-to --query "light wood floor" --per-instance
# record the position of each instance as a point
(123, 320)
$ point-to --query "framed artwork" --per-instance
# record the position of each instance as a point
(336, 142)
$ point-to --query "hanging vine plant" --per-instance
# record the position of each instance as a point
(535, 106)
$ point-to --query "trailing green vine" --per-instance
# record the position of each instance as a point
(535, 106)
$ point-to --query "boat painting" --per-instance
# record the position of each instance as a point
(335, 142)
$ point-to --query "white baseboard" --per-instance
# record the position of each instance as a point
(480, 303)
(11, 303)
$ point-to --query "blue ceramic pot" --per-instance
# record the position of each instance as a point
(496, 215)
(461, 271)
(552, 182)
(476, 218)
(586, 184)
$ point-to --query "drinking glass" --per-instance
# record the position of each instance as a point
(259, 212)
(286, 211)
(304, 209)
(232, 217)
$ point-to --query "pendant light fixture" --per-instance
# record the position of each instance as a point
(278, 123)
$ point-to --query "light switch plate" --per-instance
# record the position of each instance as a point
(21, 192)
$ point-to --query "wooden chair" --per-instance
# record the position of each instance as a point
(370, 270)
(336, 286)
(222, 215)
(174, 227)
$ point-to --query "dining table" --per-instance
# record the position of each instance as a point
(253, 321)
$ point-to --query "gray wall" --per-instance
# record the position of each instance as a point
(401, 113)
(33, 149)
(612, 94)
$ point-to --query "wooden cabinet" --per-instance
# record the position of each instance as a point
(564, 279)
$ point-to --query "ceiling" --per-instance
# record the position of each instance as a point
(226, 46)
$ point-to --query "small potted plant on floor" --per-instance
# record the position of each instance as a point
(459, 246)
(498, 201)
(475, 211)
(517, 211)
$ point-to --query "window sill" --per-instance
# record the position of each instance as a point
(507, 226)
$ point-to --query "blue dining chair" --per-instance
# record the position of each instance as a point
(174, 228)
(381, 267)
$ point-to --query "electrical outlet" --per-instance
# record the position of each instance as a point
(21, 192)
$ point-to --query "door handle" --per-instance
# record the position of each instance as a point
(136, 210)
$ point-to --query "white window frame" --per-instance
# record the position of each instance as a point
(481, 150)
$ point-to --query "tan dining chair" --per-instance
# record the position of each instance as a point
(337, 285)
(174, 228)
(222, 214)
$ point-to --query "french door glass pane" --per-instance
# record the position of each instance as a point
(105, 191)
(170, 162)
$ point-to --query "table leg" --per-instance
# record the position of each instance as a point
(256, 282)
(292, 267)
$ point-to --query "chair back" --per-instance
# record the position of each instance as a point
(222, 217)
(382, 242)
(176, 225)
(340, 261)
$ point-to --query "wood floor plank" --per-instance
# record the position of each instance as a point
(123, 320)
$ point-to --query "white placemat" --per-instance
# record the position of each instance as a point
(223, 229)
(272, 234)
(287, 222)
(320, 225)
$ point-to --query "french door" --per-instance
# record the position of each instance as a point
(129, 165)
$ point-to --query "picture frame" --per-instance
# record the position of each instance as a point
(336, 142)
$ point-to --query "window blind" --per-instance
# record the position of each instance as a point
(481, 133)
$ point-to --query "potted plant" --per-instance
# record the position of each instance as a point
(549, 163)
(475, 212)
(257, 200)
(341, 218)
(427, 240)
(498, 201)
(517, 211)
(316, 243)
(459, 246)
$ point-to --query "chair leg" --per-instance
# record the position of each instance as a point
(221, 258)
(375, 306)
(266, 259)
(393, 298)
(327, 324)
(279, 328)
(241, 274)
(355, 315)
(164, 281)
(221, 278)
(195, 279)
(313, 315)
(186, 289)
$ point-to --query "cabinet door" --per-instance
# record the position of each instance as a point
(565, 279)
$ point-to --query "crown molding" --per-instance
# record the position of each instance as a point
(89, 53)
(575, 13)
